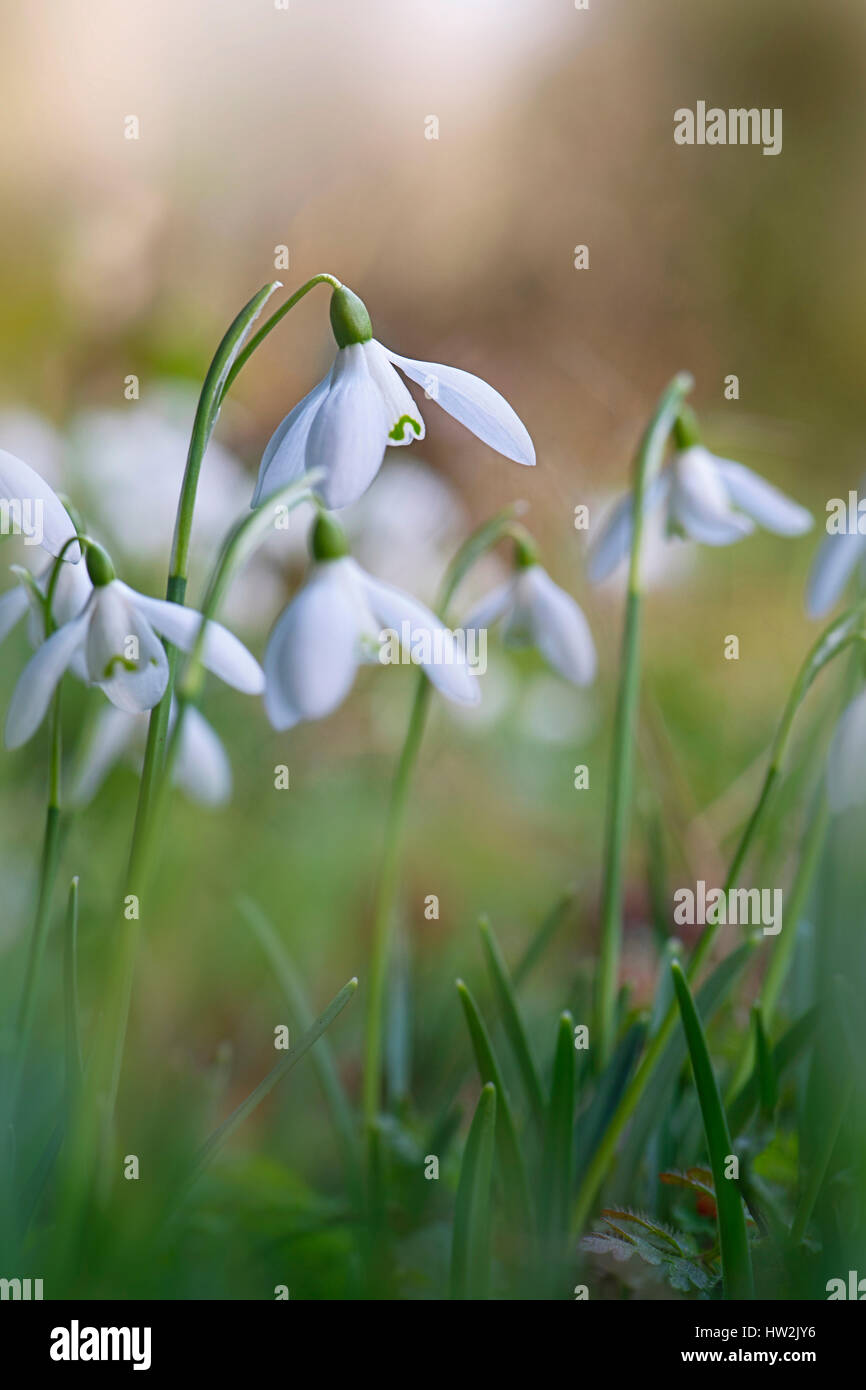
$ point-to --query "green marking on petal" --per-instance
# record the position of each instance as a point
(399, 430)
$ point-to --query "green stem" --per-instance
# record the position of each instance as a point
(47, 877)
(110, 1044)
(388, 881)
(481, 540)
(648, 462)
(840, 635)
(238, 545)
(268, 327)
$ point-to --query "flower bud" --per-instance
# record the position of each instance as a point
(349, 318)
(686, 432)
(99, 566)
(525, 549)
(328, 539)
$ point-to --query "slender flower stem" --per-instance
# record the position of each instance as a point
(841, 634)
(388, 881)
(244, 536)
(229, 357)
(483, 539)
(47, 877)
(648, 462)
(268, 327)
(50, 841)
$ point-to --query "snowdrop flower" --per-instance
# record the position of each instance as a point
(114, 640)
(708, 499)
(30, 506)
(346, 422)
(846, 760)
(839, 555)
(539, 614)
(201, 770)
(339, 619)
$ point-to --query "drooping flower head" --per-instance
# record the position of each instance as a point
(339, 619)
(708, 499)
(201, 769)
(346, 422)
(112, 643)
(537, 613)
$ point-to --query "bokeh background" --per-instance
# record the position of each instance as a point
(304, 127)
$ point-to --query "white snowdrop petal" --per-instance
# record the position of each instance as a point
(312, 654)
(36, 685)
(125, 658)
(699, 500)
(832, 567)
(349, 432)
(474, 404)
(284, 456)
(559, 628)
(36, 506)
(428, 642)
(614, 543)
(402, 417)
(72, 591)
(763, 502)
(13, 606)
(223, 653)
(846, 760)
(111, 737)
(202, 771)
(491, 608)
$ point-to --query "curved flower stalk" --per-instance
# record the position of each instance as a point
(31, 508)
(339, 619)
(202, 770)
(535, 612)
(705, 498)
(344, 425)
(114, 638)
(489, 534)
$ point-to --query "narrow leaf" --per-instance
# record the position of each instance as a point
(557, 1165)
(470, 1251)
(302, 1017)
(765, 1072)
(514, 1029)
(508, 1146)
(216, 1141)
(733, 1240)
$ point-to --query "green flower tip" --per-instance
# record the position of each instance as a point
(686, 432)
(328, 539)
(99, 566)
(525, 549)
(349, 318)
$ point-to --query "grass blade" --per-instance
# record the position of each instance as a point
(212, 1145)
(514, 1029)
(302, 1016)
(786, 1051)
(733, 1240)
(470, 1250)
(765, 1072)
(557, 1165)
(541, 940)
(508, 1146)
